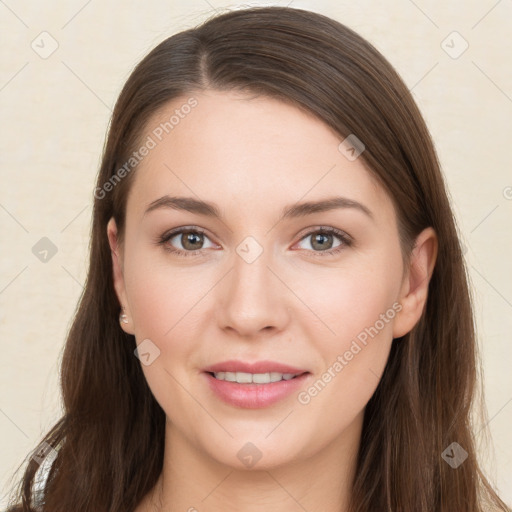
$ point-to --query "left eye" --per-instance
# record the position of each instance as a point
(324, 240)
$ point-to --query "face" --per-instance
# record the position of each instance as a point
(264, 289)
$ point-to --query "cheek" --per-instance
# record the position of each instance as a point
(166, 309)
(352, 362)
(163, 297)
(357, 310)
(344, 301)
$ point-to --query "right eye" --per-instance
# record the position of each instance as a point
(189, 240)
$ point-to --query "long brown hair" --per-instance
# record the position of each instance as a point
(109, 444)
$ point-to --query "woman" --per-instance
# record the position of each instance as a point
(276, 315)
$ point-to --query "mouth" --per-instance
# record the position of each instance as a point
(255, 385)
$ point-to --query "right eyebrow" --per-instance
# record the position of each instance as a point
(188, 204)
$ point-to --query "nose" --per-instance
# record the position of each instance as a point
(251, 299)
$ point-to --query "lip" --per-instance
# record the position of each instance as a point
(254, 396)
(256, 367)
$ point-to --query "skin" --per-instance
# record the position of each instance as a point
(252, 156)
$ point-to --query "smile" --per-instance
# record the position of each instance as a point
(256, 378)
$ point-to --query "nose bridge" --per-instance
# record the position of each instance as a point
(253, 298)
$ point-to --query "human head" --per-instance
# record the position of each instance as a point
(338, 87)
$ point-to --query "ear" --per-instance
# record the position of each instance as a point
(118, 273)
(414, 291)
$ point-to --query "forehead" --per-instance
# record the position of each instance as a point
(254, 152)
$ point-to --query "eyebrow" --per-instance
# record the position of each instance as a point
(193, 205)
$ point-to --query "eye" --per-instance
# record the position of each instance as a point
(185, 241)
(322, 241)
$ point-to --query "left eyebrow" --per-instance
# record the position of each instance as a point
(200, 207)
(308, 208)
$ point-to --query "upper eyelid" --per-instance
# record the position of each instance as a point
(325, 229)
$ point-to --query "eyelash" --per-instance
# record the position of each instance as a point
(345, 239)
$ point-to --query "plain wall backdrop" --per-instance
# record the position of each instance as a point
(63, 65)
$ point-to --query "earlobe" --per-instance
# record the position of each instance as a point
(414, 292)
(118, 277)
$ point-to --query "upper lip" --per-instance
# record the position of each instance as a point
(256, 367)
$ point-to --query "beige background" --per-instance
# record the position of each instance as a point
(55, 111)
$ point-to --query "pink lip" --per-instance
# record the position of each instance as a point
(257, 367)
(254, 396)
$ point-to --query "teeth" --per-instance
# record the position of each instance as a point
(257, 378)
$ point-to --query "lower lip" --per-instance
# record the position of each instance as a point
(254, 396)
